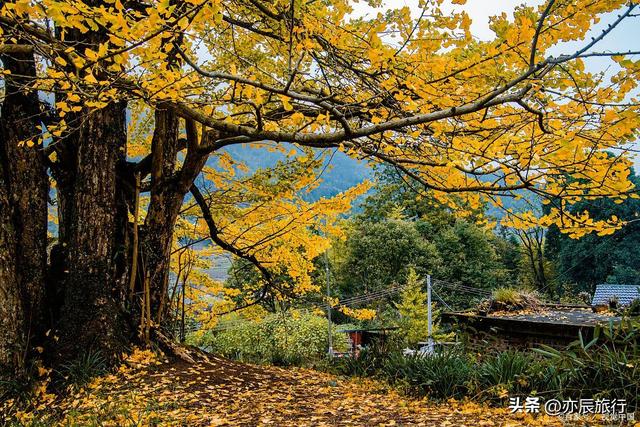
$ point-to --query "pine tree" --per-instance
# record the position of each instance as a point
(413, 310)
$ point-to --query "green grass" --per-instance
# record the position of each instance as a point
(508, 296)
(512, 299)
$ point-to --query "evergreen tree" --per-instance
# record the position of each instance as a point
(413, 310)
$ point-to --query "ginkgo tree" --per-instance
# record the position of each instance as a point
(125, 108)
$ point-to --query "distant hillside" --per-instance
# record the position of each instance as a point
(341, 173)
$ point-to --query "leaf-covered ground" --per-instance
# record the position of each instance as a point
(217, 392)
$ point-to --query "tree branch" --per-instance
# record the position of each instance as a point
(214, 233)
(534, 44)
(330, 139)
(16, 48)
(538, 113)
(581, 52)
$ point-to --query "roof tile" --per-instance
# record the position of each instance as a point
(624, 293)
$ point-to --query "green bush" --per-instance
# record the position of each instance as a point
(506, 296)
(17, 389)
(634, 308)
(510, 299)
(508, 371)
(366, 364)
(608, 366)
(291, 339)
(445, 375)
(369, 361)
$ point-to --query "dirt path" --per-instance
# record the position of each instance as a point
(238, 394)
(221, 392)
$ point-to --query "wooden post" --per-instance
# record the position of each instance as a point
(134, 255)
(430, 344)
(182, 332)
(147, 295)
(145, 310)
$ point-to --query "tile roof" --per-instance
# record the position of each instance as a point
(624, 293)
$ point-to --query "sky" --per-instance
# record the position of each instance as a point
(478, 10)
(481, 10)
(622, 38)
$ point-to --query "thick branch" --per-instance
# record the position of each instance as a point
(15, 48)
(538, 114)
(214, 233)
(534, 44)
(330, 139)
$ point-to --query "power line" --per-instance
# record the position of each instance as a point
(564, 274)
(463, 288)
(379, 294)
(441, 300)
(370, 295)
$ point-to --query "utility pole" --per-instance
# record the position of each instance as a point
(326, 272)
(429, 317)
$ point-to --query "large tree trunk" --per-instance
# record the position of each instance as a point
(92, 317)
(163, 206)
(12, 337)
(24, 206)
(92, 251)
(86, 292)
(156, 248)
(168, 190)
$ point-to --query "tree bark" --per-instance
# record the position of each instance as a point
(87, 278)
(164, 207)
(93, 312)
(24, 206)
(168, 190)
(12, 337)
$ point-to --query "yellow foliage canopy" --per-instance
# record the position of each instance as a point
(473, 121)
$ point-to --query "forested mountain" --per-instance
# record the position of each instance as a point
(339, 173)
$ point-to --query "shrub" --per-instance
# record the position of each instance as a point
(506, 296)
(17, 390)
(509, 371)
(291, 339)
(633, 309)
(510, 299)
(446, 375)
(368, 363)
(608, 366)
